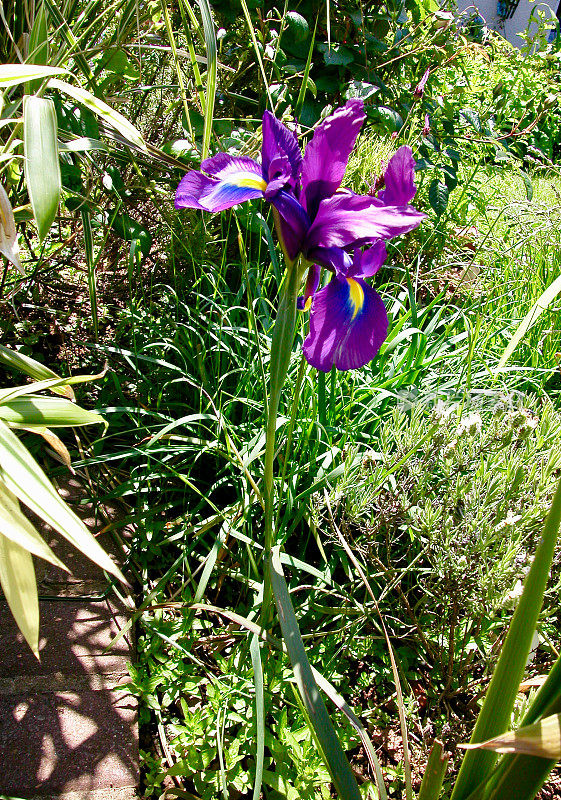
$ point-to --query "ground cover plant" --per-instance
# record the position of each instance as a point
(358, 523)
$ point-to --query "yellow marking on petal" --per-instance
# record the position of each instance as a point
(356, 296)
(247, 179)
(307, 304)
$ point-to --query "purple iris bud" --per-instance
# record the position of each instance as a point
(420, 87)
(426, 126)
(328, 226)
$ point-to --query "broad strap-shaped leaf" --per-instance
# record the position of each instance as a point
(58, 446)
(7, 395)
(29, 366)
(12, 74)
(111, 117)
(25, 478)
(8, 234)
(17, 576)
(52, 412)
(435, 772)
(42, 168)
(38, 46)
(541, 739)
(15, 526)
(255, 653)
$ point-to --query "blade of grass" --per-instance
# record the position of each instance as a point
(178, 71)
(90, 265)
(541, 305)
(304, 85)
(192, 55)
(257, 52)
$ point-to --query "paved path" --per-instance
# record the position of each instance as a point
(66, 729)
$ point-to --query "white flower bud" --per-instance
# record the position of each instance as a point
(8, 234)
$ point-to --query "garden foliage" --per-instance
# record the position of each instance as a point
(401, 514)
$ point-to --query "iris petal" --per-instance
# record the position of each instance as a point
(367, 263)
(294, 222)
(225, 167)
(348, 324)
(333, 258)
(351, 219)
(400, 187)
(232, 180)
(281, 154)
(326, 156)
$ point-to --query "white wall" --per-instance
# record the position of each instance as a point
(509, 28)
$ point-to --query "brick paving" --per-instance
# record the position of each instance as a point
(68, 729)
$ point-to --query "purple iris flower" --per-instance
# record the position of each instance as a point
(320, 222)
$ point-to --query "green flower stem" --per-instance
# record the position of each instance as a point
(281, 349)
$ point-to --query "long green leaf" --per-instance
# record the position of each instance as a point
(336, 760)
(38, 46)
(542, 739)
(54, 412)
(111, 117)
(522, 773)
(434, 773)
(212, 67)
(15, 526)
(90, 265)
(36, 370)
(25, 478)
(306, 75)
(178, 70)
(42, 168)
(257, 51)
(12, 74)
(49, 383)
(259, 714)
(494, 716)
(530, 319)
(17, 576)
